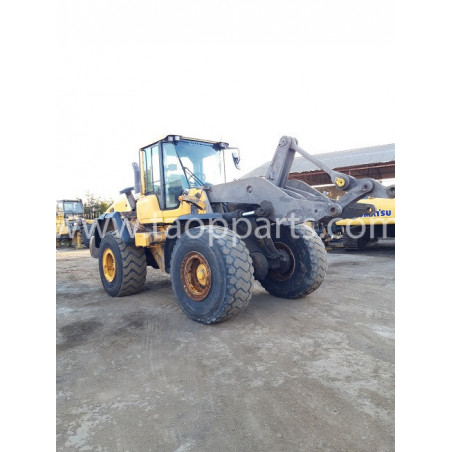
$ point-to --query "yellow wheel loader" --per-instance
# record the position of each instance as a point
(71, 226)
(215, 237)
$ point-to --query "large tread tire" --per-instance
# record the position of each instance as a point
(231, 270)
(131, 266)
(309, 266)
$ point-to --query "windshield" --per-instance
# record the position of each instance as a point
(73, 207)
(201, 163)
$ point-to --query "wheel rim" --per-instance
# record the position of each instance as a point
(283, 276)
(195, 276)
(109, 265)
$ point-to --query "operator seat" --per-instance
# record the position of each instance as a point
(174, 188)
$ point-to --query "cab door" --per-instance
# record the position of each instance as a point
(163, 181)
(149, 205)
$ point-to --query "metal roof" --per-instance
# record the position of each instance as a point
(339, 159)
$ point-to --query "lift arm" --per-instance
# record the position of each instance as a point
(283, 197)
(278, 174)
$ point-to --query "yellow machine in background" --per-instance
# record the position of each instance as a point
(368, 228)
(71, 225)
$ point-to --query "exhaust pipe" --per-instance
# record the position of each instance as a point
(136, 173)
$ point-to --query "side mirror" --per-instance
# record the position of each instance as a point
(236, 159)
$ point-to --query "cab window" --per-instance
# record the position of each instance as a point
(152, 173)
(175, 179)
(74, 207)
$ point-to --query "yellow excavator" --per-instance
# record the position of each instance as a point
(215, 237)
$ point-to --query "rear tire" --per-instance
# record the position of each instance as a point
(353, 243)
(308, 263)
(122, 267)
(212, 283)
(92, 247)
(85, 238)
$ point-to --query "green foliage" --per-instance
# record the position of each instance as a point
(94, 205)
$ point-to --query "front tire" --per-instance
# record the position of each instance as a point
(308, 263)
(211, 274)
(122, 267)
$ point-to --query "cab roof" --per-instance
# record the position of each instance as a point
(170, 138)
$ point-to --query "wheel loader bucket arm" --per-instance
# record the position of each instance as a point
(285, 198)
(278, 174)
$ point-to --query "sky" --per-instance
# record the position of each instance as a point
(246, 73)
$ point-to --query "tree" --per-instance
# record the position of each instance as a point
(95, 205)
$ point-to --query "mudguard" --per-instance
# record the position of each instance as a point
(119, 224)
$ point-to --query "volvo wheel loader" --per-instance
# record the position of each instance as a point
(215, 237)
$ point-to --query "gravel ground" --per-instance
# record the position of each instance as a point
(135, 374)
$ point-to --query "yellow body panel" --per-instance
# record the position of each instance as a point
(121, 205)
(146, 238)
(148, 208)
(61, 228)
(142, 239)
(384, 213)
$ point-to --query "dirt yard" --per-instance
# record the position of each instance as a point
(135, 374)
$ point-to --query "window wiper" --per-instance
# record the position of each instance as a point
(185, 170)
(193, 175)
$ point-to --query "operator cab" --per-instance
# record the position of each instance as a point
(69, 207)
(177, 163)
